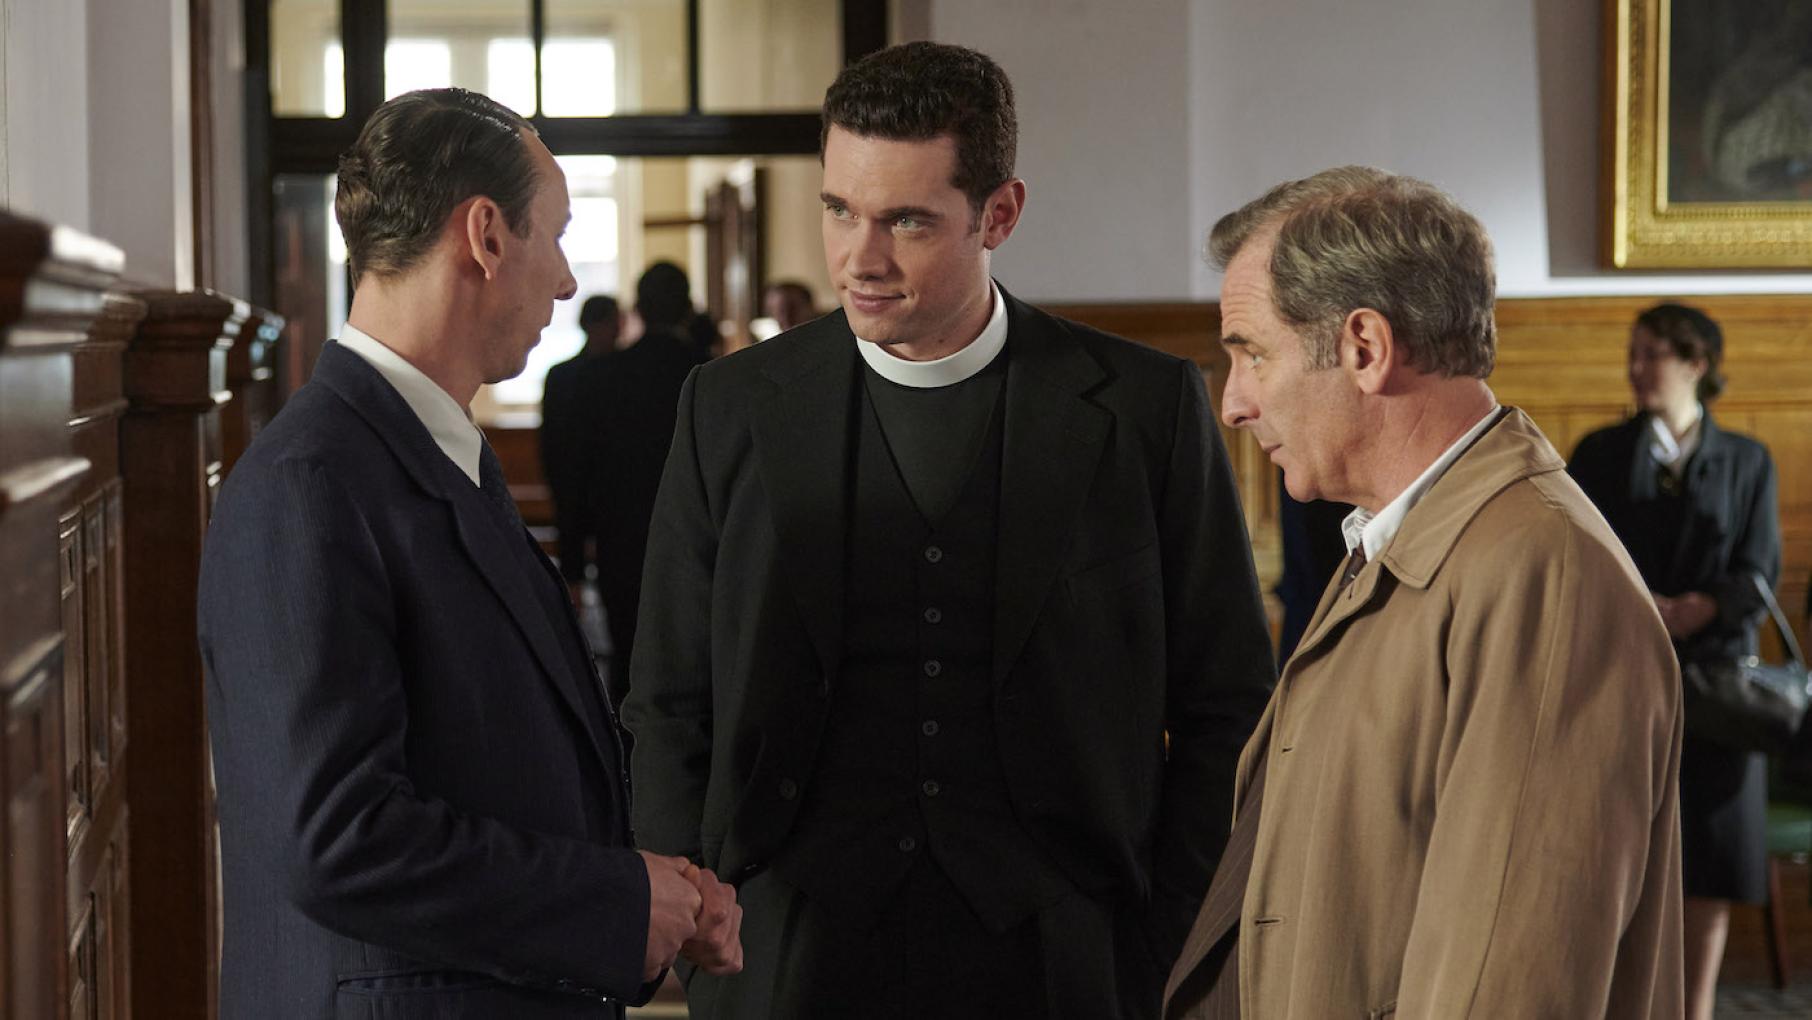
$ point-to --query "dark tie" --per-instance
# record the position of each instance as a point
(1354, 564)
(496, 491)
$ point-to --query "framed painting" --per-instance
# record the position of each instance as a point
(1709, 162)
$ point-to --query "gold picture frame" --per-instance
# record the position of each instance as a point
(1683, 170)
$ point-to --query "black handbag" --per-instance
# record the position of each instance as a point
(1744, 703)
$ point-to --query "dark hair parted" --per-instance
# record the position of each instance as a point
(1354, 237)
(920, 90)
(419, 156)
(1694, 336)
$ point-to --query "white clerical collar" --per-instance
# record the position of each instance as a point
(1376, 531)
(452, 428)
(1673, 453)
(952, 368)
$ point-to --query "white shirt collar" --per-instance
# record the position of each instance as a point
(1674, 453)
(452, 428)
(947, 370)
(1376, 531)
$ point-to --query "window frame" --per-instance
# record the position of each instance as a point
(278, 145)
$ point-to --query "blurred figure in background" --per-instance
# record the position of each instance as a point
(663, 301)
(565, 405)
(632, 396)
(789, 303)
(1695, 505)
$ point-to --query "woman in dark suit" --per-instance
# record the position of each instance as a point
(1695, 506)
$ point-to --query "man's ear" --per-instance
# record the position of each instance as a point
(486, 234)
(1000, 213)
(1368, 349)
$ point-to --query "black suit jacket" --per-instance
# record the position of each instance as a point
(1127, 610)
(1731, 528)
(421, 814)
(633, 396)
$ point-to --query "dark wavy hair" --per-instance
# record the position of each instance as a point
(1693, 335)
(419, 156)
(921, 90)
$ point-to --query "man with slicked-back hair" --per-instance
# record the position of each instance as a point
(424, 807)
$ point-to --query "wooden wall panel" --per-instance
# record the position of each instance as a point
(1562, 360)
(170, 459)
(53, 645)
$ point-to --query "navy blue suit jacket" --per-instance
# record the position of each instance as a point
(423, 805)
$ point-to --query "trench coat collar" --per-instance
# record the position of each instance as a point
(1509, 452)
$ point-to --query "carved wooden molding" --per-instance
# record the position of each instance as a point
(176, 362)
(53, 282)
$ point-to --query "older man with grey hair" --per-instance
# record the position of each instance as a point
(1462, 799)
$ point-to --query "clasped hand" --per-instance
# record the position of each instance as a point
(690, 914)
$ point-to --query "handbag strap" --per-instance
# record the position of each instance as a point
(1780, 619)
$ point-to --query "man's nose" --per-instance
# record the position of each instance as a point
(1237, 406)
(871, 252)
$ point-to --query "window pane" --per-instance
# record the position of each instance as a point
(510, 74)
(579, 77)
(434, 44)
(592, 243)
(306, 80)
(733, 225)
(411, 64)
(627, 56)
(767, 54)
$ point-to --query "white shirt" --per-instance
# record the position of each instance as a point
(1672, 453)
(952, 368)
(451, 426)
(1375, 532)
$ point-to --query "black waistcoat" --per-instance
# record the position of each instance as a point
(909, 763)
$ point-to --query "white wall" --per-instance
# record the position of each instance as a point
(94, 127)
(1142, 122)
(1498, 101)
(1102, 91)
(231, 274)
(136, 132)
(44, 168)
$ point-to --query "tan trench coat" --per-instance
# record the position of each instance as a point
(1471, 808)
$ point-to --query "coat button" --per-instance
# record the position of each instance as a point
(928, 727)
(930, 787)
(933, 667)
(934, 615)
(789, 790)
(933, 554)
(908, 844)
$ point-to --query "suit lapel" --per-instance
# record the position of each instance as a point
(365, 389)
(486, 545)
(1053, 442)
(801, 435)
